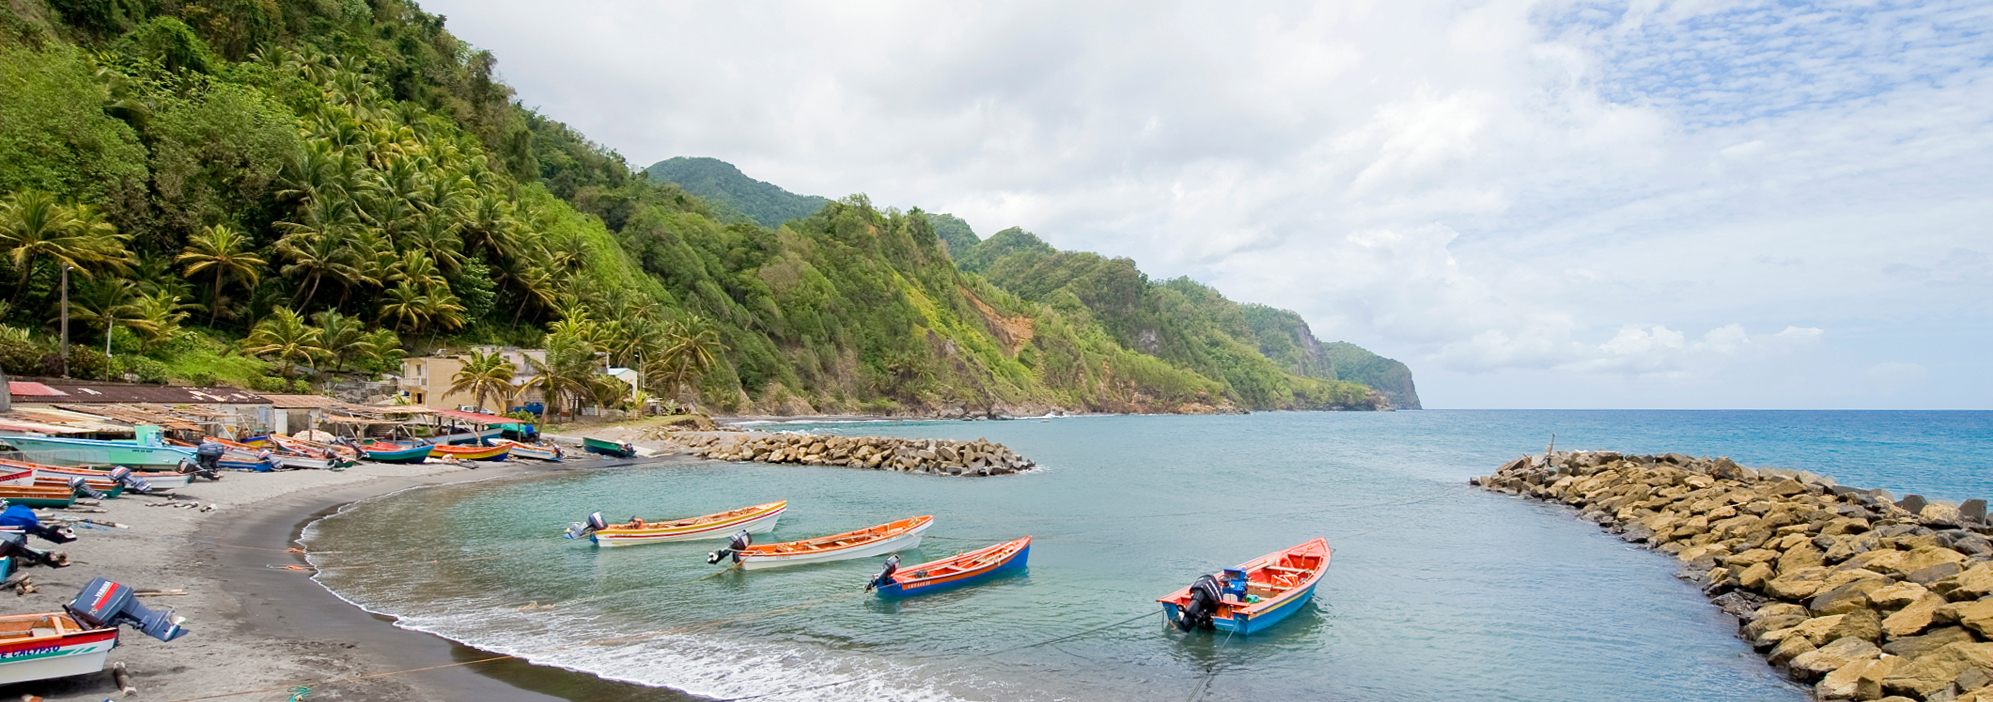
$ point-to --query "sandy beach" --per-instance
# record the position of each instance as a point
(258, 626)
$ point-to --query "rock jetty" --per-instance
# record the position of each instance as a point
(1856, 593)
(937, 456)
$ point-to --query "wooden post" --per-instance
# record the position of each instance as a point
(65, 320)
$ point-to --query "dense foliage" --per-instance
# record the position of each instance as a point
(265, 192)
(722, 184)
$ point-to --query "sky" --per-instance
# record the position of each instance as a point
(1698, 204)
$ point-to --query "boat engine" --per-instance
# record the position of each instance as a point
(22, 518)
(740, 542)
(80, 486)
(1203, 603)
(131, 481)
(885, 577)
(595, 523)
(15, 544)
(103, 603)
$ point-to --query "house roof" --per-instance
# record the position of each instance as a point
(121, 393)
(303, 402)
(474, 417)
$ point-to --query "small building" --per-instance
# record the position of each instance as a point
(426, 380)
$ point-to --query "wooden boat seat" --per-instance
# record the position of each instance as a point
(1285, 569)
(43, 631)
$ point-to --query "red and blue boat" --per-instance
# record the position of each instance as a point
(956, 571)
(1254, 596)
(396, 453)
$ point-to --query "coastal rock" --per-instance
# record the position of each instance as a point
(1977, 616)
(1813, 630)
(1914, 617)
(1833, 656)
(1798, 584)
(1914, 647)
(1858, 680)
(1789, 648)
(1972, 584)
(1897, 596)
(1937, 670)
(1938, 515)
(1755, 576)
(1847, 597)
(1862, 624)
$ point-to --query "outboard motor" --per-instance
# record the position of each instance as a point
(103, 604)
(740, 542)
(15, 545)
(19, 517)
(80, 486)
(1203, 603)
(132, 482)
(595, 523)
(202, 469)
(885, 577)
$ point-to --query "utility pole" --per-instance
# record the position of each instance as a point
(65, 320)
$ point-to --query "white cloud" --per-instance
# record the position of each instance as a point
(1503, 188)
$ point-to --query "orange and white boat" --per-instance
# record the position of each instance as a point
(759, 519)
(1253, 596)
(873, 541)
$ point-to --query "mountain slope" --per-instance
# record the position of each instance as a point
(720, 182)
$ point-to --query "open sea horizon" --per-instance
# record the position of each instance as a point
(1437, 589)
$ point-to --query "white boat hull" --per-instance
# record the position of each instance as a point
(70, 660)
(902, 542)
(163, 481)
(758, 525)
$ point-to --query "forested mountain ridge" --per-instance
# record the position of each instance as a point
(723, 185)
(270, 192)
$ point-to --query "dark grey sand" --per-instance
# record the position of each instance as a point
(257, 625)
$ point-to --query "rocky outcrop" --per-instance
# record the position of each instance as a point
(937, 456)
(1856, 593)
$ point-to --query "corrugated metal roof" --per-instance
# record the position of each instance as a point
(118, 393)
(303, 401)
(26, 389)
(472, 416)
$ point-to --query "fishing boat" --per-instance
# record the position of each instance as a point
(619, 449)
(107, 488)
(37, 496)
(874, 541)
(139, 481)
(396, 453)
(101, 451)
(1255, 595)
(482, 436)
(759, 519)
(76, 640)
(956, 571)
(521, 449)
(471, 453)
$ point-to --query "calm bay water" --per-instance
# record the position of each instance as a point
(1437, 590)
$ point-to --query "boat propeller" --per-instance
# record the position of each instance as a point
(885, 576)
(740, 542)
(595, 523)
(81, 486)
(135, 483)
(1203, 603)
(103, 603)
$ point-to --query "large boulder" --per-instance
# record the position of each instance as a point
(1789, 648)
(1937, 670)
(1800, 557)
(1755, 576)
(1977, 616)
(1862, 624)
(1897, 596)
(1972, 584)
(1798, 584)
(1847, 682)
(1914, 647)
(1845, 592)
(1813, 630)
(1938, 515)
(1914, 617)
(1750, 558)
(1831, 657)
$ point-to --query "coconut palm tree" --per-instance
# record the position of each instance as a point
(285, 335)
(34, 226)
(106, 303)
(156, 317)
(225, 253)
(343, 337)
(485, 375)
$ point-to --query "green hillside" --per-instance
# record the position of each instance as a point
(281, 192)
(731, 191)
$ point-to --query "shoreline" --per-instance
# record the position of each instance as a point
(256, 627)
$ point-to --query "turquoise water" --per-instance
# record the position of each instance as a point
(1436, 590)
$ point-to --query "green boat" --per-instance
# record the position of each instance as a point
(46, 498)
(619, 449)
(99, 452)
(397, 453)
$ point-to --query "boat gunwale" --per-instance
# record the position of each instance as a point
(1006, 550)
(680, 526)
(914, 525)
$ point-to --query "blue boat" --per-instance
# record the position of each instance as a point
(1254, 596)
(954, 571)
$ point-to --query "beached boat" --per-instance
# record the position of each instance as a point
(1255, 595)
(759, 519)
(138, 481)
(481, 436)
(107, 488)
(76, 640)
(525, 450)
(37, 496)
(956, 571)
(396, 453)
(619, 449)
(874, 541)
(99, 451)
(471, 453)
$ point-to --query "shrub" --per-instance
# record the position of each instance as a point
(19, 357)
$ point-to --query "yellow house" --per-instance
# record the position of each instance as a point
(426, 380)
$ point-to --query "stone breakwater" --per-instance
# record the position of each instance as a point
(937, 456)
(1858, 594)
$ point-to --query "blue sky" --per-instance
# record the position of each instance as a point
(1534, 204)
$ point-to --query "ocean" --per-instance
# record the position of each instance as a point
(1436, 591)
